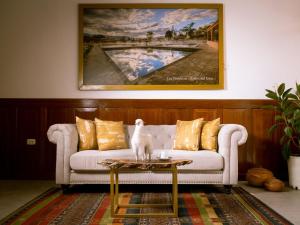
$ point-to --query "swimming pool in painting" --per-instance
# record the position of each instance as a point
(138, 62)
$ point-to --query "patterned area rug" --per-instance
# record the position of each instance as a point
(200, 206)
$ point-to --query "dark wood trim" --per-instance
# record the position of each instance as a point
(164, 103)
(30, 118)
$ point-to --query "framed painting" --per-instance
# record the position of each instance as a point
(150, 46)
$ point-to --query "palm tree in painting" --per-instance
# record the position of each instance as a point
(188, 30)
(168, 34)
(149, 35)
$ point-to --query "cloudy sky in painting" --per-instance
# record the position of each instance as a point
(137, 22)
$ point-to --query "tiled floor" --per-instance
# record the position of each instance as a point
(14, 194)
(286, 203)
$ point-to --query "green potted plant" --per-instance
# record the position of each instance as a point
(287, 119)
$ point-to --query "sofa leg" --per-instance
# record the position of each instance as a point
(65, 188)
(228, 189)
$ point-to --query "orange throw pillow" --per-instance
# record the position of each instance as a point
(87, 134)
(110, 135)
(188, 134)
(209, 135)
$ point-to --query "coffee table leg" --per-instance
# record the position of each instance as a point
(175, 191)
(117, 189)
(112, 192)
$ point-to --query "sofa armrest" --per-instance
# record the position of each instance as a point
(229, 138)
(65, 137)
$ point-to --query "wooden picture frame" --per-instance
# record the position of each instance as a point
(151, 46)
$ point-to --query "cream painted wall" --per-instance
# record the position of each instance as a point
(39, 50)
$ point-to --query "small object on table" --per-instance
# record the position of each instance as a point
(141, 142)
(164, 159)
(257, 176)
(163, 155)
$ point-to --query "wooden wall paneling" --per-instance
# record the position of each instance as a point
(262, 142)
(49, 160)
(60, 115)
(48, 150)
(149, 115)
(8, 142)
(114, 114)
(280, 163)
(243, 117)
(266, 151)
(86, 113)
(170, 116)
(207, 114)
(28, 157)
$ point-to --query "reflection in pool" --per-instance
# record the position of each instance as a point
(138, 62)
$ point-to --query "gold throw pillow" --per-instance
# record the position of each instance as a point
(188, 134)
(110, 135)
(209, 135)
(87, 134)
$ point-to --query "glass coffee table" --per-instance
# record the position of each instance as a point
(124, 165)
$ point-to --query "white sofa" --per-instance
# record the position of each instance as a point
(208, 167)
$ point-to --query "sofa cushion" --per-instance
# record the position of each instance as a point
(188, 134)
(110, 135)
(202, 160)
(162, 135)
(84, 161)
(87, 134)
(209, 135)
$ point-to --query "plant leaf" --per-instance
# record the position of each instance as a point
(297, 125)
(272, 95)
(282, 139)
(297, 89)
(285, 94)
(292, 96)
(296, 114)
(281, 88)
(278, 118)
(272, 128)
(288, 111)
(269, 91)
(288, 131)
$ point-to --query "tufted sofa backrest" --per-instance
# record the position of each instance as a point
(162, 135)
